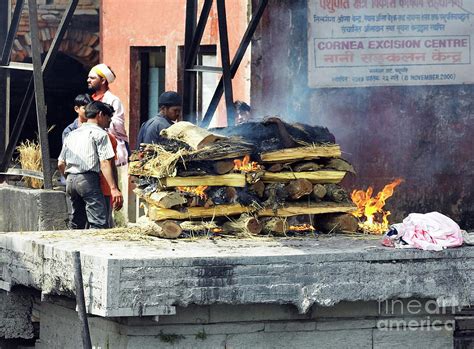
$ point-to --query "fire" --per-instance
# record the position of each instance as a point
(217, 230)
(369, 207)
(301, 227)
(245, 165)
(197, 191)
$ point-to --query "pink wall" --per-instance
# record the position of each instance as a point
(135, 23)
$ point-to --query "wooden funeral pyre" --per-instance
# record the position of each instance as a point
(255, 178)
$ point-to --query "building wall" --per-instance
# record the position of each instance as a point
(346, 325)
(139, 23)
(81, 41)
(421, 134)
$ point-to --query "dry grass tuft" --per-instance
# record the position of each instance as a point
(30, 159)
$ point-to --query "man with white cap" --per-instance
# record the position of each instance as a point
(98, 82)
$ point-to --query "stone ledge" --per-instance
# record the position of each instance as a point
(124, 278)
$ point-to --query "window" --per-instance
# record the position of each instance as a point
(206, 82)
(152, 80)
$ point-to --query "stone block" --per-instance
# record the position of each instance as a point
(254, 312)
(340, 324)
(345, 310)
(15, 315)
(302, 340)
(165, 341)
(60, 328)
(290, 326)
(191, 314)
(415, 338)
(40, 209)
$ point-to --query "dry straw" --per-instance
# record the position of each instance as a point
(30, 159)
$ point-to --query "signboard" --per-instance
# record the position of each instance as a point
(390, 42)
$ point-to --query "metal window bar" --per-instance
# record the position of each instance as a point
(239, 55)
(189, 79)
(193, 38)
(225, 58)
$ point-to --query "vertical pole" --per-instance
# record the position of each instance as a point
(189, 78)
(39, 95)
(225, 58)
(80, 301)
(4, 80)
(234, 66)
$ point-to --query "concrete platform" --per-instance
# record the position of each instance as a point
(152, 278)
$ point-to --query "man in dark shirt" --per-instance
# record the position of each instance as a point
(80, 103)
(170, 110)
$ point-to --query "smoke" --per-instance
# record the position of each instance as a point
(422, 134)
(279, 62)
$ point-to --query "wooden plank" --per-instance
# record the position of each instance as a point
(302, 153)
(296, 210)
(227, 180)
(160, 214)
(323, 176)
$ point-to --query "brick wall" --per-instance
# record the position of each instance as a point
(81, 41)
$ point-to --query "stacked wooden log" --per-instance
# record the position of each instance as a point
(195, 181)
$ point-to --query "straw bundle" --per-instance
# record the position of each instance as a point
(30, 159)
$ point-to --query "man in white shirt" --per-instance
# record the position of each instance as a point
(86, 152)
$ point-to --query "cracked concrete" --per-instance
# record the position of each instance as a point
(144, 278)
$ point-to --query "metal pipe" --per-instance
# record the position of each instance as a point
(80, 301)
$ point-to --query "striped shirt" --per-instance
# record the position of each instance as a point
(84, 148)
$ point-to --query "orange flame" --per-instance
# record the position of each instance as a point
(217, 230)
(301, 227)
(197, 191)
(245, 165)
(368, 207)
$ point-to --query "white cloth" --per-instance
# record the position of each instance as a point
(431, 231)
(117, 126)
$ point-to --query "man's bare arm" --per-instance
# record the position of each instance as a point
(62, 167)
(107, 170)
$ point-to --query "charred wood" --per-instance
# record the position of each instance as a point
(273, 134)
(222, 195)
(299, 188)
(223, 166)
(275, 195)
(340, 165)
(257, 188)
(306, 167)
(275, 226)
(319, 192)
(336, 193)
(338, 223)
(245, 224)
